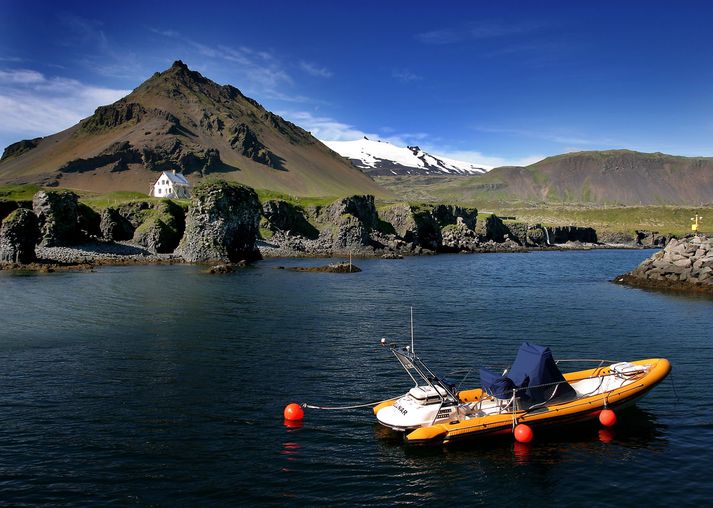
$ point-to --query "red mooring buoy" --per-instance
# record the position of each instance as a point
(523, 433)
(294, 412)
(607, 417)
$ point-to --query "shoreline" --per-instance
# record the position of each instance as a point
(87, 256)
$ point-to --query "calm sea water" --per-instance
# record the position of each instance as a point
(162, 385)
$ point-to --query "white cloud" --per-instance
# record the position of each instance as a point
(20, 76)
(325, 128)
(315, 70)
(564, 136)
(34, 105)
(329, 129)
(405, 75)
(257, 71)
(487, 29)
(476, 157)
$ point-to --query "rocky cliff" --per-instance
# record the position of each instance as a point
(19, 233)
(685, 264)
(221, 224)
(226, 222)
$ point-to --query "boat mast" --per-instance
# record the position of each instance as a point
(412, 351)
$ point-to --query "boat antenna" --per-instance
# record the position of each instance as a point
(412, 351)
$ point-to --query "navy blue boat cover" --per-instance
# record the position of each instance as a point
(535, 370)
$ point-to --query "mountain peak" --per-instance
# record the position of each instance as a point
(178, 64)
(179, 119)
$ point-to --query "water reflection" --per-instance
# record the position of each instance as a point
(102, 393)
(636, 429)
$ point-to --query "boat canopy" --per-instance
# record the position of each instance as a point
(534, 375)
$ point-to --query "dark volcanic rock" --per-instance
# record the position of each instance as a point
(492, 228)
(19, 233)
(352, 219)
(424, 225)
(650, 239)
(351, 234)
(401, 219)
(58, 214)
(414, 224)
(222, 223)
(88, 221)
(172, 153)
(7, 206)
(246, 142)
(459, 238)
(286, 217)
(361, 207)
(685, 264)
(114, 226)
(448, 214)
(119, 156)
(161, 231)
(134, 212)
(527, 235)
(537, 234)
(17, 149)
(617, 237)
(573, 234)
(333, 268)
(114, 115)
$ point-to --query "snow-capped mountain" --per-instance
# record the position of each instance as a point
(381, 158)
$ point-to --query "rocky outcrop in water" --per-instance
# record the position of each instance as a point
(19, 233)
(221, 224)
(58, 214)
(685, 264)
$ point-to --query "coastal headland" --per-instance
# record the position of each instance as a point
(227, 222)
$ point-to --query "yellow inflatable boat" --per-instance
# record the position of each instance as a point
(533, 393)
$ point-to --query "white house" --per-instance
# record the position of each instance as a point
(171, 185)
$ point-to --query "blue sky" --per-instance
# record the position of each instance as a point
(490, 82)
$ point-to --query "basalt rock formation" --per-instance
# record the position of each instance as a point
(286, 217)
(115, 226)
(221, 224)
(58, 214)
(162, 228)
(19, 233)
(685, 264)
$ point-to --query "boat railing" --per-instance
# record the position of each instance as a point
(514, 403)
(600, 361)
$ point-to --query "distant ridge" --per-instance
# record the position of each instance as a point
(180, 119)
(612, 176)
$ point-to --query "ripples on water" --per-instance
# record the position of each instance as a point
(164, 385)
